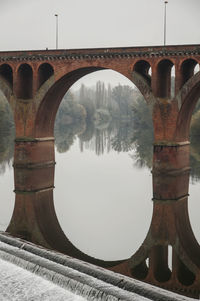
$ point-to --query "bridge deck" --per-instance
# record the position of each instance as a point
(171, 50)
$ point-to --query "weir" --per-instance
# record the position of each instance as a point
(75, 276)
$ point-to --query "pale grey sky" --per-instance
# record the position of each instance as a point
(30, 24)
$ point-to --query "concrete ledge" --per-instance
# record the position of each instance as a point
(87, 280)
(171, 143)
(29, 139)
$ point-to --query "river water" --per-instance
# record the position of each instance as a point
(102, 198)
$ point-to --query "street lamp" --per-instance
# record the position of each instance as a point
(165, 23)
(56, 31)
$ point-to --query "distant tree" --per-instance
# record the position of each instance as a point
(123, 95)
(69, 112)
(7, 134)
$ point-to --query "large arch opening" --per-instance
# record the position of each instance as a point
(7, 135)
(97, 208)
(7, 73)
(189, 95)
(45, 118)
(25, 82)
(193, 130)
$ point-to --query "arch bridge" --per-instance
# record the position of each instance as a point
(34, 83)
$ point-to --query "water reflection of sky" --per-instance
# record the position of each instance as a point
(7, 197)
(103, 202)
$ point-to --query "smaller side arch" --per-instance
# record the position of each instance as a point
(187, 99)
(24, 81)
(187, 70)
(142, 67)
(45, 71)
(163, 78)
(7, 73)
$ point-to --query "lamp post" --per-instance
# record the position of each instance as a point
(56, 31)
(165, 22)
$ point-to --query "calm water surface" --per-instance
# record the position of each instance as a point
(103, 202)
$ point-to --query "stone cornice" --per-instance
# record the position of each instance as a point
(108, 53)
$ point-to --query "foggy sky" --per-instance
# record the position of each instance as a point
(30, 24)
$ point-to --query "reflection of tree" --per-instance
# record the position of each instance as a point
(6, 151)
(124, 133)
(7, 133)
(123, 140)
(65, 137)
(94, 139)
(143, 134)
(195, 145)
(70, 120)
(195, 160)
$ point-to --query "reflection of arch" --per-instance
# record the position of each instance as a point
(34, 216)
(187, 99)
(187, 70)
(164, 78)
(48, 107)
(143, 67)
(7, 73)
(170, 227)
(25, 82)
(54, 93)
(5, 88)
(45, 71)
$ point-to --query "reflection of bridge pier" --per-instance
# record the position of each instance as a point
(34, 166)
(170, 227)
(34, 217)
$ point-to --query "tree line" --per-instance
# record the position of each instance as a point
(102, 117)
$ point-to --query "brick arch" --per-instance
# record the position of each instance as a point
(48, 100)
(25, 81)
(48, 105)
(163, 75)
(45, 71)
(187, 70)
(187, 99)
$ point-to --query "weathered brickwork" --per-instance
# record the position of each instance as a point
(34, 82)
